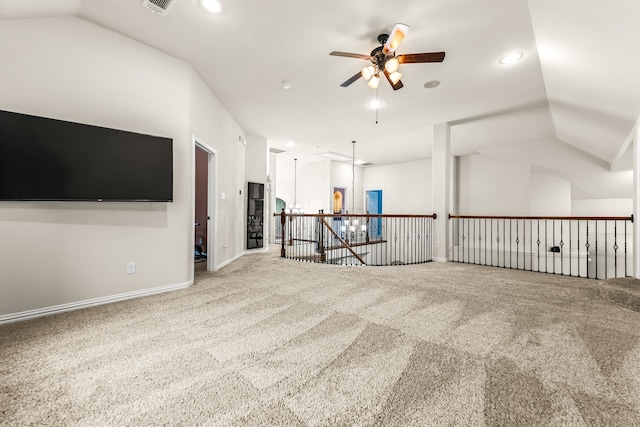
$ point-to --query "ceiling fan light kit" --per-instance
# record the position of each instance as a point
(393, 40)
(374, 82)
(384, 60)
(368, 71)
(392, 65)
(395, 77)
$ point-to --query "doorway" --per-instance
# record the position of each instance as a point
(277, 228)
(374, 207)
(204, 206)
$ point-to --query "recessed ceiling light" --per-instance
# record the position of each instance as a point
(376, 103)
(286, 84)
(290, 144)
(212, 6)
(431, 84)
(511, 58)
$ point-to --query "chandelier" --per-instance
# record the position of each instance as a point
(351, 228)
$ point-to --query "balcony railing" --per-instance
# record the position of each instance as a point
(355, 239)
(592, 247)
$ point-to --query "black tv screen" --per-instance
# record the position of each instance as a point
(45, 159)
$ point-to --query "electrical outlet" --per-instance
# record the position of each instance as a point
(224, 246)
(131, 267)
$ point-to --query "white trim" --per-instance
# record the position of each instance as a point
(263, 249)
(636, 203)
(212, 209)
(229, 261)
(439, 259)
(46, 311)
(626, 144)
(240, 255)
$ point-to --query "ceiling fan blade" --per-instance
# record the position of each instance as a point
(397, 34)
(396, 86)
(350, 55)
(412, 58)
(352, 79)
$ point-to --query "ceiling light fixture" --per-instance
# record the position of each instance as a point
(375, 103)
(387, 64)
(290, 144)
(431, 84)
(368, 72)
(286, 84)
(397, 35)
(511, 58)
(392, 65)
(212, 6)
(395, 77)
(374, 81)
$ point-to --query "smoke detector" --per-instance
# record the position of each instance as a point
(161, 7)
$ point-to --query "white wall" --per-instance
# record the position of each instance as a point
(284, 180)
(549, 196)
(488, 187)
(602, 207)
(57, 253)
(342, 177)
(213, 125)
(256, 160)
(273, 176)
(406, 187)
(256, 170)
(314, 186)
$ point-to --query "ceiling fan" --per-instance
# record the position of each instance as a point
(384, 60)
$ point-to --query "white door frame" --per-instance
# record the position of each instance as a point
(212, 200)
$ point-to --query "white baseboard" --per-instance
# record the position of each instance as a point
(240, 255)
(229, 261)
(438, 259)
(46, 311)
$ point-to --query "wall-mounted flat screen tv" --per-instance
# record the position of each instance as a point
(44, 159)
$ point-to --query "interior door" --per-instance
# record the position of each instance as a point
(374, 207)
(201, 220)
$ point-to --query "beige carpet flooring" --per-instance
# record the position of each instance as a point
(268, 341)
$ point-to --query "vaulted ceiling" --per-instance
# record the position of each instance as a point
(567, 107)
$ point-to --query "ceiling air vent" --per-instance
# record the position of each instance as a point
(161, 7)
(276, 150)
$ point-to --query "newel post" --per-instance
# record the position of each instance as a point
(283, 221)
(323, 257)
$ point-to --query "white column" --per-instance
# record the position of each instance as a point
(441, 183)
(636, 203)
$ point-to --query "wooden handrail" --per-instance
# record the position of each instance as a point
(567, 218)
(348, 215)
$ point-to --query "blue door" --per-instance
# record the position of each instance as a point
(374, 207)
